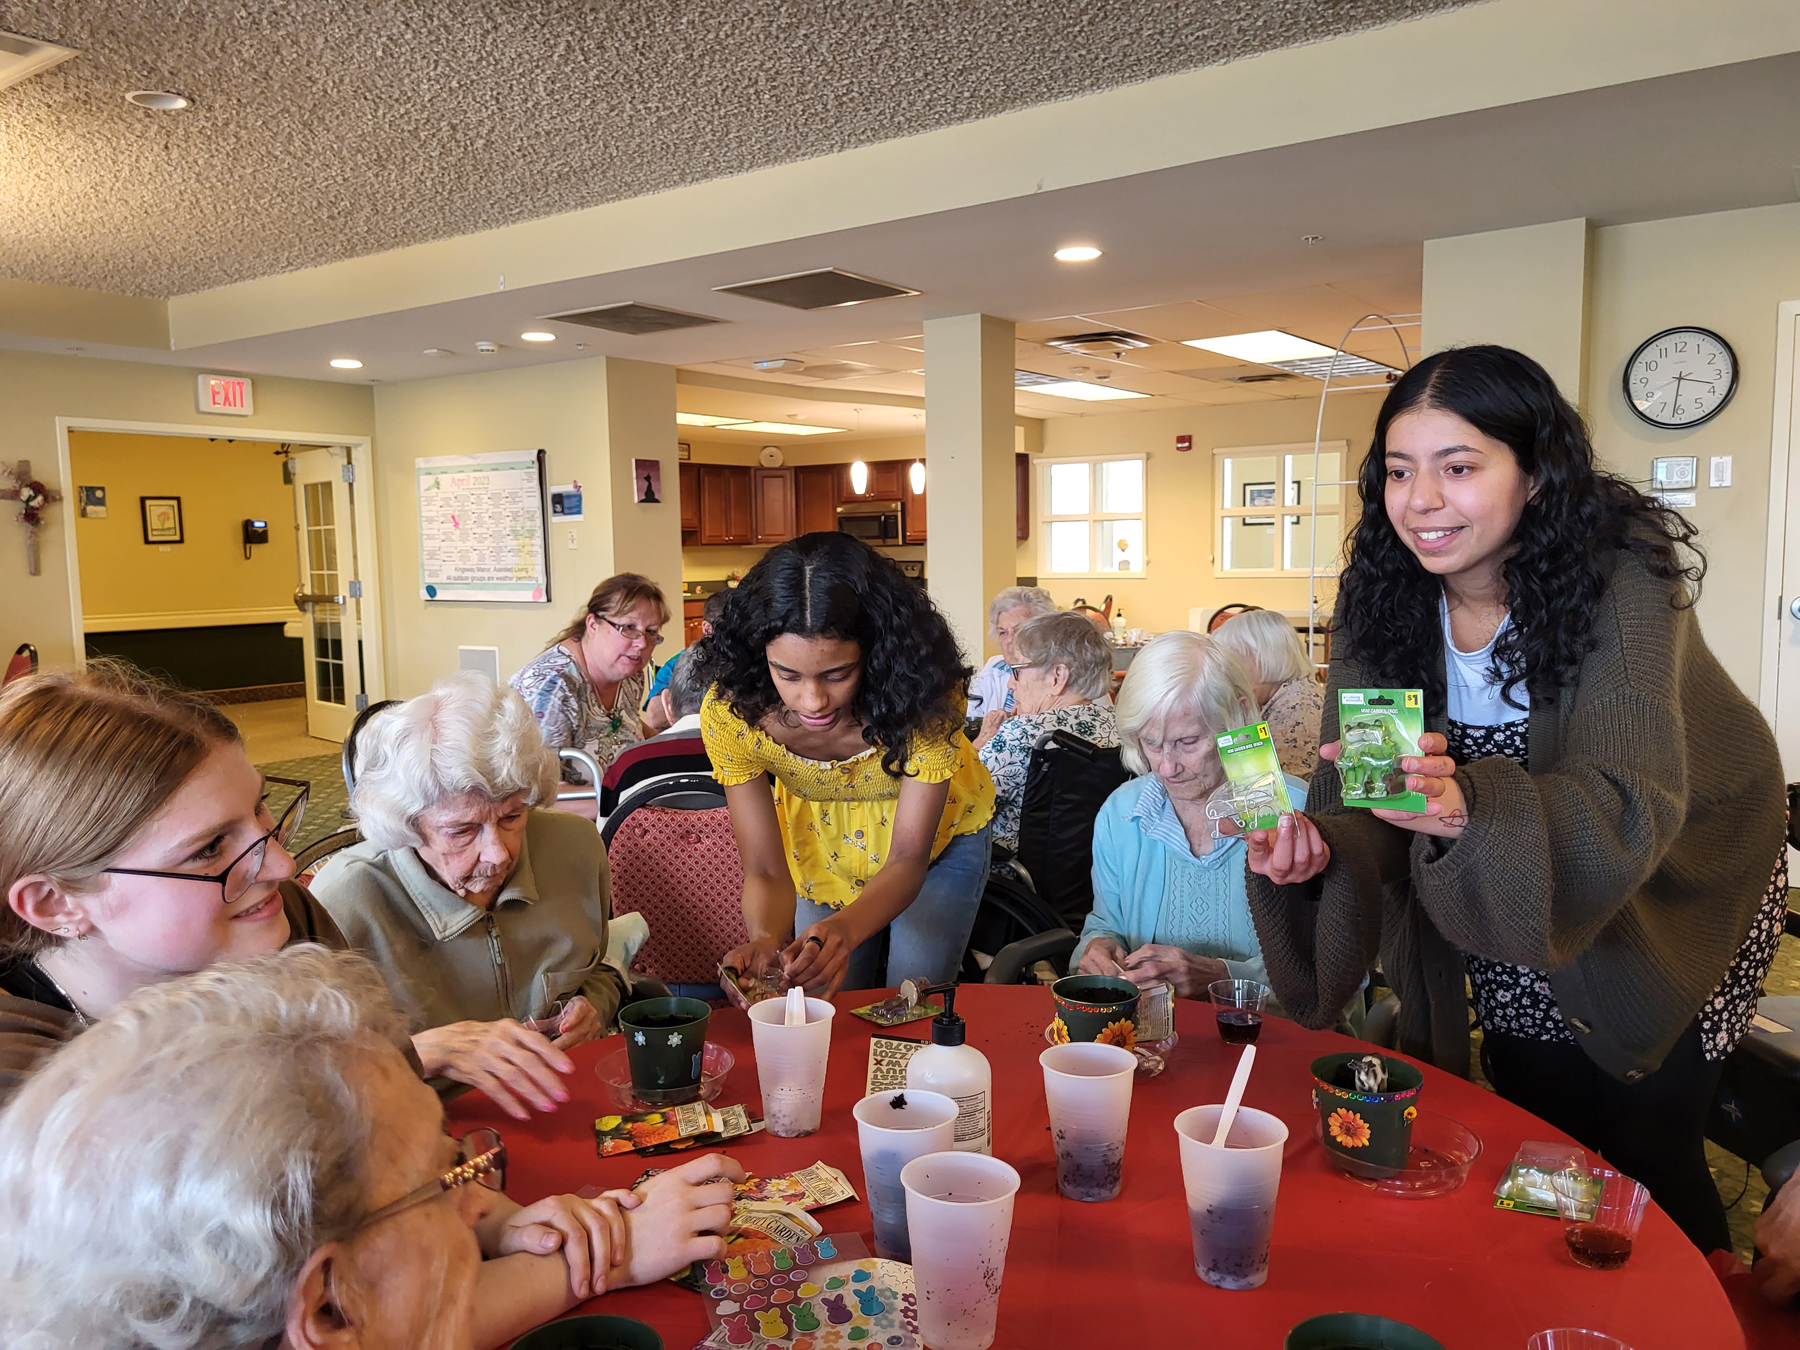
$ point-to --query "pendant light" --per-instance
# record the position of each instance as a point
(916, 475)
(859, 477)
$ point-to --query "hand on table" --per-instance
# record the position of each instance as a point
(1186, 973)
(1432, 773)
(1778, 1239)
(504, 1059)
(990, 723)
(681, 1218)
(591, 1233)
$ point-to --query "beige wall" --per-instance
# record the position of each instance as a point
(126, 583)
(592, 417)
(1178, 562)
(41, 388)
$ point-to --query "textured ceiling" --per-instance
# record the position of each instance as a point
(328, 129)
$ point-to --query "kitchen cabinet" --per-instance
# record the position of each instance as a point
(773, 495)
(815, 498)
(727, 515)
(689, 485)
(915, 513)
(887, 479)
(692, 612)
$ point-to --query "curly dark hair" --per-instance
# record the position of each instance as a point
(835, 586)
(1576, 521)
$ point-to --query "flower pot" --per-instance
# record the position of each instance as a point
(1094, 1008)
(1371, 1130)
(665, 1042)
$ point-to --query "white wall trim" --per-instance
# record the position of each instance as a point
(366, 523)
(1774, 554)
(192, 618)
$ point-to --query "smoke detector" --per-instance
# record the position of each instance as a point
(1111, 342)
(780, 363)
(487, 348)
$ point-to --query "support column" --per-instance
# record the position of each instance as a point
(971, 549)
(640, 424)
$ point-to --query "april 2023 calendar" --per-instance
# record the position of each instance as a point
(481, 527)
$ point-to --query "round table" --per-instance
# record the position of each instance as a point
(1122, 1272)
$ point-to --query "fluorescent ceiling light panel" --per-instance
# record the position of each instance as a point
(22, 57)
(1082, 390)
(783, 428)
(704, 420)
(1344, 366)
(1267, 348)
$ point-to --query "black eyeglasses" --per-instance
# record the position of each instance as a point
(631, 632)
(483, 1162)
(238, 878)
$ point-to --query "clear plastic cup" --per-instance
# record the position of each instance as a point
(959, 1209)
(894, 1128)
(1231, 1192)
(1088, 1086)
(790, 1065)
(1600, 1213)
(1238, 1009)
(1574, 1338)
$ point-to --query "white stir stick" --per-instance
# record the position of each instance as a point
(796, 1008)
(1235, 1097)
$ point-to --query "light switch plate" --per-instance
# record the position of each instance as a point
(572, 539)
(1721, 471)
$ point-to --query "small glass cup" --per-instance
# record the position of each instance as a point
(1238, 1005)
(1601, 1210)
(1574, 1338)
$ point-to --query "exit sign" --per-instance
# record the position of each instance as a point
(228, 394)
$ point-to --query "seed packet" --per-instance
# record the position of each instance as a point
(1255, 793)
(1526, 1184)
(1376, 729)
(695, 1125)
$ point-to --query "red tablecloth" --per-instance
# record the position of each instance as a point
(1122, 1272)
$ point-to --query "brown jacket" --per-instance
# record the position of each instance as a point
(29, 1030)
(1627, 859)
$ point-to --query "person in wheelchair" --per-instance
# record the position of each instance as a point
(1061, 666)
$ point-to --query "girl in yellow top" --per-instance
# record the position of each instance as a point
(834, 674)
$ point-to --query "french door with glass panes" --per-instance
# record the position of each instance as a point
(328, 595)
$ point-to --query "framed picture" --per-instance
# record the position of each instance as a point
(93, 503)
(162, 519)
(1259, 494)
(647, 476)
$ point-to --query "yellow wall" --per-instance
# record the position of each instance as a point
(126, 583)
(41, 388)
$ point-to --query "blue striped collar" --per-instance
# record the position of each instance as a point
(1155, 816)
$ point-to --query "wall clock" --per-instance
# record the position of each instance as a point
(1681, 377)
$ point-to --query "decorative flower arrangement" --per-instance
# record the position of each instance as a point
(1348, 1128)
(34, 497)
(1121, 1033)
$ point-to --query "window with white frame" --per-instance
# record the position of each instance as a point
(1256, 531)
(1091, 516)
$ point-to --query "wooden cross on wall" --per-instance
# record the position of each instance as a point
(33, 497)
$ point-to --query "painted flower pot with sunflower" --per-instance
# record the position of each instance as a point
(1094, 1008)
(1370, 1131)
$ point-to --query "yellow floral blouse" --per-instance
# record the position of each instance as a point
(837, 816)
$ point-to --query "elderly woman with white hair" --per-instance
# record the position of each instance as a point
(1062, 666)
(1287, 688)
(486, 915)
(1169, 898)
(989, 692)
(242, 1157)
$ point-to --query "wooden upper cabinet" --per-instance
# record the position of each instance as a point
(689, 484)
(740, 508)
(887, 480)
(915, 511)
(815, 498)
(773, 493)
(1022, 495)
(726, 513)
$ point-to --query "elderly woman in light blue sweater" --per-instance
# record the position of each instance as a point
(1169, 901)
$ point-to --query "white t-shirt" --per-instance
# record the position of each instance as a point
(1471, 698)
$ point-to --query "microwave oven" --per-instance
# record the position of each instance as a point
(879, 523)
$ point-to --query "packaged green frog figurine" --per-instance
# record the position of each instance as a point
(1376, 729)
(1256, 793)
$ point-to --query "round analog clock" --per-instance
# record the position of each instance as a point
(1681, 378)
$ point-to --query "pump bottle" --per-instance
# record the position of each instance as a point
(957, 1070)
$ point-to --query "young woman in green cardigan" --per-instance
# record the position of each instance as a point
(1603, 857)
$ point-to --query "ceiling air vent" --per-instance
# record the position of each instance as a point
(22, 57)
(633, 319)
(1266, 378)
(1108, 343)
(1024, 379)
(822, 289)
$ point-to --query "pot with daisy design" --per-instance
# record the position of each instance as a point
(1365, 1115)
(1099, 1008)
(665, 1046)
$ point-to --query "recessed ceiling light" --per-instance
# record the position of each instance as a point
(1092, 393)
(537, 337)
(345, 363)
(703, 420)
(159, 100)
(1264, 348)
(1077, 253)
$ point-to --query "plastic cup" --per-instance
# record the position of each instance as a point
(1600, 1215)
(959, 1209)
(1574, 1338)
(894, 1128)
(790, 1064)
(1088, 1086)
(1231, 1192)
(1238, 1007)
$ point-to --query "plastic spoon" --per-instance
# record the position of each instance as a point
(795, 1015)
(1235, 1097)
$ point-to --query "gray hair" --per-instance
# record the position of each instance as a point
(687, 691)
(1068, 639)
(468, 734)
(1182, 672)
(1267, 644)
(1033, 598)
(165, 1176)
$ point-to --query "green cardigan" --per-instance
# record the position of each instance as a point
(1627, 859)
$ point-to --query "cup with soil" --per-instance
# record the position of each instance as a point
(595, 1332)
(1369, 1132)
(1094, 1008)
(665, 1045)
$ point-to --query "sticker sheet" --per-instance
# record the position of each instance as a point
(888, 1058)
(827, 1294)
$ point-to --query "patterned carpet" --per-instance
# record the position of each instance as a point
(326, 804)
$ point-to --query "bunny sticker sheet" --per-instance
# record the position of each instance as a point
(821, 1295)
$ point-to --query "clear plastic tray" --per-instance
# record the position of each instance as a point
(614, 1071)
(1442, 1153)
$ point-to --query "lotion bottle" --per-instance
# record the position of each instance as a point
(959, 1071)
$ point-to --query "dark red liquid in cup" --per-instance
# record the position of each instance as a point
(1239, 1026)
(1597, 1248)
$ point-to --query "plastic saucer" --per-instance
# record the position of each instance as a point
(614, 1070)
(1150, 1063)
(1443, 1150)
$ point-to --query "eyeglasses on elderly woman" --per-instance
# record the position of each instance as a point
(244, 869)
(483, 1162)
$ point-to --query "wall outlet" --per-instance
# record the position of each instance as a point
(572, 543)
(1721, 472)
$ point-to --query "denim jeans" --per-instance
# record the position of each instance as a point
(928, 939)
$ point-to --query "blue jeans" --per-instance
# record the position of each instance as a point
(927, 939)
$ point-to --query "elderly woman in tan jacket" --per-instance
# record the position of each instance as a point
(486, 915)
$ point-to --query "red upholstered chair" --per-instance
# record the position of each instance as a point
(24, 662)
(675, 861)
